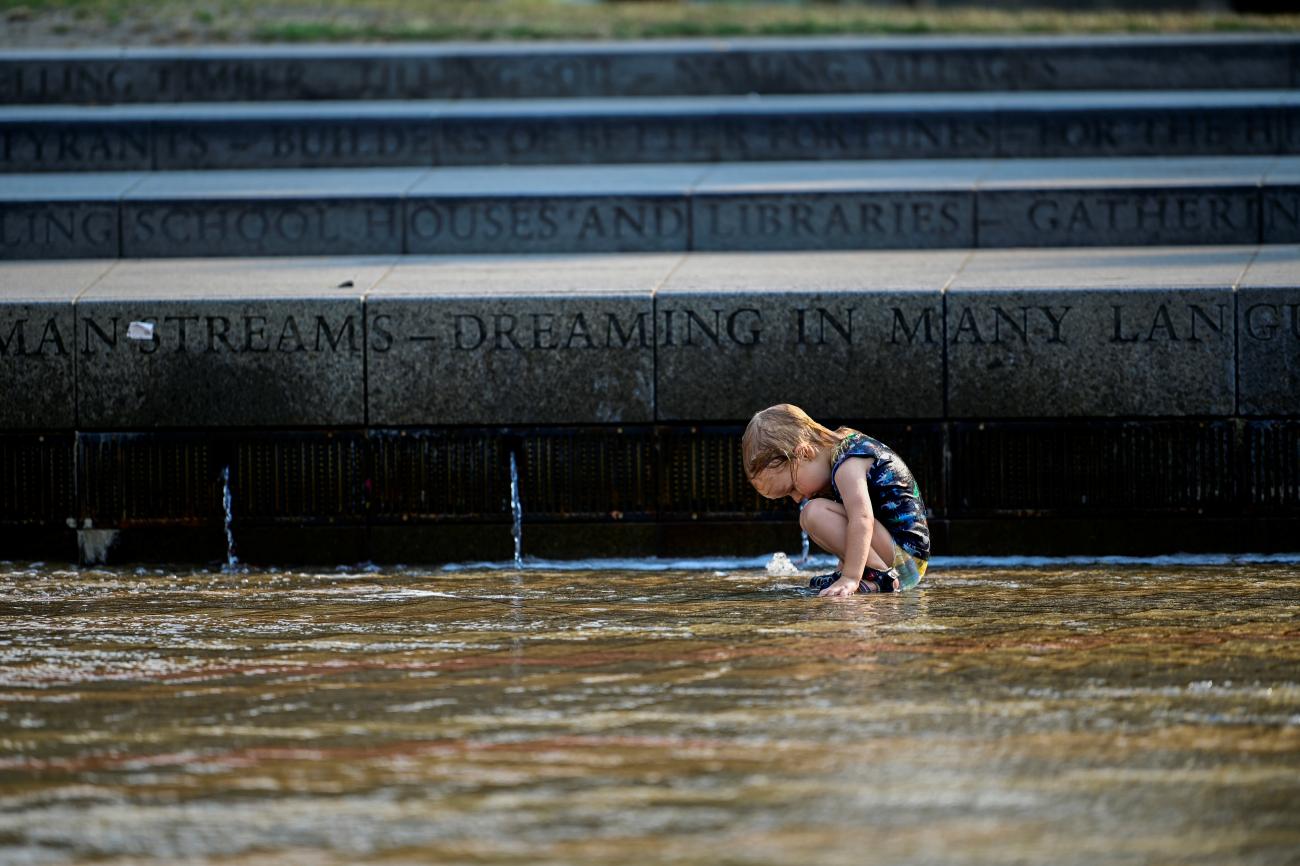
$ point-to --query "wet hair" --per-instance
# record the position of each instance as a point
(775, 434)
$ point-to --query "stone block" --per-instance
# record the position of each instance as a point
(1268, 334)
(74, 140)
(844, 335)
(514, 340)
(1065, 333)
(1145, 124)
(37, 341)
(316, 135)
(1281, 202)
(838, 128)
(62, 216)
(580, 132)
(836, 206)
(714, 129)
(1109, 202)
(234, 343)
(266, 213)
(539, 210)
(88, 76)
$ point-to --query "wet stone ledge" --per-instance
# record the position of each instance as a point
(224, 343)
(37, 341)
(712, 66)
(736, 333)
(1268, 334)
(700, 129)
(1097, 333)
(553, 340)
(1157, 332)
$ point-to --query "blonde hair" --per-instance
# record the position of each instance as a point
(775, 434)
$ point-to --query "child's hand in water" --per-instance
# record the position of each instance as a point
(843, 587)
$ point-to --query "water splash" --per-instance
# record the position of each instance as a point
(517, 511)
(803, 556)
(232, 561)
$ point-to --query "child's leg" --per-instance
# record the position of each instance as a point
(827, 522)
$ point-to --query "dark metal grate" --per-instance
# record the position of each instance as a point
(131, 479)
(438, 475)
(1273, 463)
(702, 477)
(591, 474)
(1092, 467)
(299, 478)
(36, 479)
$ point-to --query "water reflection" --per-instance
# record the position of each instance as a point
(1063, 714)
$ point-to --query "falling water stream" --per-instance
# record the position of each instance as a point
(517, 512)
(232, 561)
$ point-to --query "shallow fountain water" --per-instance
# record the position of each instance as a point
(703, 712)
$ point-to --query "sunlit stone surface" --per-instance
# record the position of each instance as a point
(1121, 714)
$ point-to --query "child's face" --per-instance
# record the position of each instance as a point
(799, 479)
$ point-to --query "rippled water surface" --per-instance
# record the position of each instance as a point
(1064, 714)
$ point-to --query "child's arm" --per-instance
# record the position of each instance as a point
(852, 483)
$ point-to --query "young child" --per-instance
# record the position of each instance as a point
(873, 518)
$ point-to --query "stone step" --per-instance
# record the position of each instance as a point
(882, 204)
(386, 342)
(648, 68)
(648, 130)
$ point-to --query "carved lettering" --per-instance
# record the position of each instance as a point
(503, 328)
(638, 328)
(291, 336)
(911, 333)
(185, 224)
(842, 325)
(461, 338)
(1178, 213)
(579, 330)
(106, 338)
(384, 336)
(1166, 325)
(749, 331)
(1265, 321)
(15, 342)
(54, 225)
(514, 221)
(547, 332)
(1281, 212)
(70, 147)
(1003, 325)
(834, 218)
(332, 143)
(16, 338)
(215, 334)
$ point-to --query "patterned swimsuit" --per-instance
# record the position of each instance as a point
(895, 495)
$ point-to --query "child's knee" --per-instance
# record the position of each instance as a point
(816, 511)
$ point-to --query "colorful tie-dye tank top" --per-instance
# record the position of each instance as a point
(895, 495)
